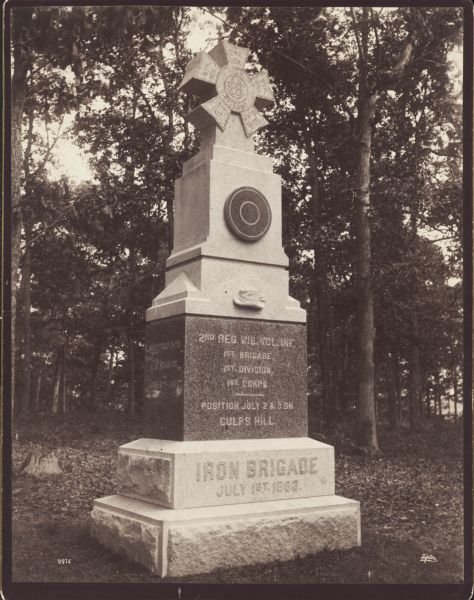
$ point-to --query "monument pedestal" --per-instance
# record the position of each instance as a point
(181, 542)
(191, 507)
(210, 473)
(212, 378)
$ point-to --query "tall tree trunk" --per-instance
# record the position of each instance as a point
(398, 388)
(366, 103)
(109, 377)
(414, 375)
(438, 395)
(57, 385)
(38, 389)
(428, 403)
(392, 394)
(21, 66)
(170, 93)
(132, 371)
(343, 368)
(414, 394)
(322, 329)
(95, 368)
(455, 389)
(130, 335)
(64, 392)
(26, 275)
(367, 100)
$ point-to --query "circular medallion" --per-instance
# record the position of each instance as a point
(247, 214)
(235, 89)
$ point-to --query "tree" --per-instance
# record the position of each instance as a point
(93, 256)
(128, 113)
(367, 59)
(40, 37)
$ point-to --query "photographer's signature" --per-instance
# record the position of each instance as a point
(428, 558)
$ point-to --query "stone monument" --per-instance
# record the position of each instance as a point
(226, 475)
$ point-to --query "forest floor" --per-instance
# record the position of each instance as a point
(411, 505)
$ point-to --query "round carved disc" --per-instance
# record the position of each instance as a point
(235, 89)
(247, 214)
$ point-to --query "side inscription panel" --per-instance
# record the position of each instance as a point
(163, 408)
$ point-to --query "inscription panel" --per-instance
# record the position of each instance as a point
(208, 378)
(244, 379)
(257, 477)
(163, 408)
(212, 474)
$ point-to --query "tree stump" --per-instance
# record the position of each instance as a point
(41, 465)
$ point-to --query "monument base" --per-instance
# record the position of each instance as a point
(181, 542)
(210, 473)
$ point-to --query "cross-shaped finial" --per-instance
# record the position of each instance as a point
(219, 79)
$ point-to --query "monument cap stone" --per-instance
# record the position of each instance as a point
(219, 79)
(226, 53)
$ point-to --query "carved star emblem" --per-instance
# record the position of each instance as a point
(219, 79)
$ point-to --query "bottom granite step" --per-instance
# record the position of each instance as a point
(179, 542)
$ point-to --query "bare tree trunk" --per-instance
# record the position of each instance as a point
(322, 318)
(169, 92)
(38, 389)
(109, 376)
(455, 388)
(57, 386)
(22, 64)
(428, 404)
(130, 336)
(393, 416)
(438, 395)
(343, 369)
(367, 429)
(26, 275)
(415, 382)
(64, 392)
(414, 394)
(366, 103)
(96, 354)
(131, 377)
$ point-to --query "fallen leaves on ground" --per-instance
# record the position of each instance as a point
(411, 503)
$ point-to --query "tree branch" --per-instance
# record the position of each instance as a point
(377, 42)
(356, 33)
(50, 148)
(43, 231)
(391, 76)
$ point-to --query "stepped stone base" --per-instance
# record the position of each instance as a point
(180, 542)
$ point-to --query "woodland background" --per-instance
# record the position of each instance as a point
(89, 258)
(367, 136)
